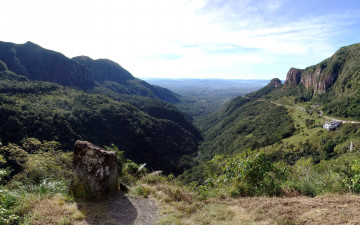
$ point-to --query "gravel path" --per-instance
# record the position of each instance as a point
(137, 211)
(119, 209)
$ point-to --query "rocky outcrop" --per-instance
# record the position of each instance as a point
(313, 77)
(319, 80)
(293, 77)
(95, 170)
(275, 82)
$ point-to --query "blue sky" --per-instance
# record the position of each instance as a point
(238, 39)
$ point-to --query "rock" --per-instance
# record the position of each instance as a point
(95, 170)
(275, 82)
(311, 78)
(293, 77)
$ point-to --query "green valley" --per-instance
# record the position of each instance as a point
(256, 158)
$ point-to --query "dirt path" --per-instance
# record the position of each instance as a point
(334, 119)
(137, 211)
(119, 209)
(320, 112)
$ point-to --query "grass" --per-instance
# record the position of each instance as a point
(179, 205)
(55, 210)
(303, 134)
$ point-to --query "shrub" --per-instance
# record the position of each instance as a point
(248, 174)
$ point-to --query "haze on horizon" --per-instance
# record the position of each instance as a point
(238, 39)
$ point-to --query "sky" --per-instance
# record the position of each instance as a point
(237, 39)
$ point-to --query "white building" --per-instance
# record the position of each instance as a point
(332, 125)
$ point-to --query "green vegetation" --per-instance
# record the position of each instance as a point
(39, 64)
(52, 112)
(267, 143)
(245, 124)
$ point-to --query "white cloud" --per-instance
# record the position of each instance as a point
(211, 38)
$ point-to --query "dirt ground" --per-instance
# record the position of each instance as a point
(120, 210)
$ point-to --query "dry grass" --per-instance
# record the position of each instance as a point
(55, 210)
(330, 209)
(180, 206)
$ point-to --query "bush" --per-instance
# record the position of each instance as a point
(248, 174)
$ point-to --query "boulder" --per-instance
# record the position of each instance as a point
(95, 170)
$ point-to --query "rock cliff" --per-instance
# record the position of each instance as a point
(312, 77)
(275, 82)
(343, 67)
(293, 77)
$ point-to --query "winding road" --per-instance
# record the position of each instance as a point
(338, 120)
(303, 109)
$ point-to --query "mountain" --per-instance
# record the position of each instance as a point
(333, 83)
(49, 111)
(37, 63)
(112, 76)
(259, 119)
(94, 100)
(243, 124)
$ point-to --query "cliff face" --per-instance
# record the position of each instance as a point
(293, 77)
(338, 73)
(313, 77)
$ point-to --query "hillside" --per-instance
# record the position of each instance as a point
(40, 64)
(284, 122)
(263, 154)
(246, 123)
(333, 83)
(148, 130)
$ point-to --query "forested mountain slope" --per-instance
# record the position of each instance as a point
(163, 137)
(333, 83)
(246, 123)
(37, 63)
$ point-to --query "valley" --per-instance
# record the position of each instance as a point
(201, 152)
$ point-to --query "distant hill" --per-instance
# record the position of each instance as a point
(40, 64)
(112, 76)
(201, 97)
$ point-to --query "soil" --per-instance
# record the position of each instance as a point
(119, 209)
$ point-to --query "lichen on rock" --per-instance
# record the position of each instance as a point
(95, 170)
